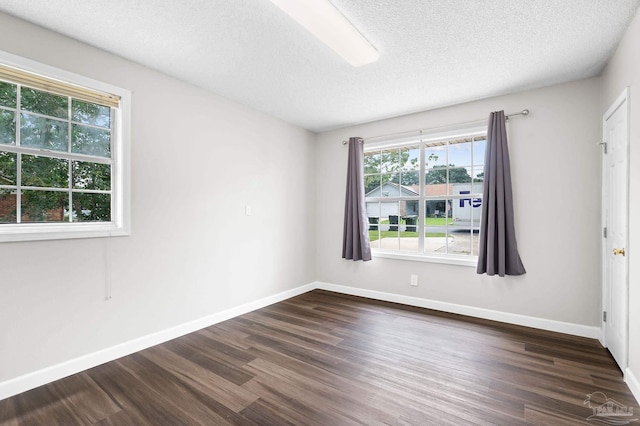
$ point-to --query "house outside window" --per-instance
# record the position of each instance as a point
(63, 154)
(433, 202)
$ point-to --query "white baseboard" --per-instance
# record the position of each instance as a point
(541, 323)
(633, 383)
(55, 372)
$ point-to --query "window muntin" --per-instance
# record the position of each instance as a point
(63, 154)
(425, 198)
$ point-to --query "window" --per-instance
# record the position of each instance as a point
(63, 154)
(424, 195)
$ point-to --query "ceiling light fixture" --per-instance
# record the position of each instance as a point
(324, 21)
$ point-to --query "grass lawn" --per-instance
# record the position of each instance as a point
(429, 221)
(438, 221)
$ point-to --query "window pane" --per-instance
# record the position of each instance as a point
(466, 216)
(7, 127)
(411, 180)
(438, 212)
(88, 113)
(437, 221)
(8, 94)
(410, 158)
(371, 162)
(409, 208)
(475, 239)
(409, 225)
(479, 151)
(45, 133)
(478, 180)
(91, 207)
(91, 141)
(91, 175)
(459, 175)
(437, 190)
(373, 215)
(477, 174)
(44, 103)
(476, 211)
(44, 206)
(389, 239)
(373, 212)
(436, 240)
(389, 215)
(437, 175)
(466, 209)
(371, 183)
(389, 186)
(8, 168)
(7, 206)
(460, 241)
(435, 156)
(409, 241)
(389, 161)
(460, 154)
(389, 225)
(393, 217)
(45, 172)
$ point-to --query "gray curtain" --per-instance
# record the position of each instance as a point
(498, 252)
(355, 240)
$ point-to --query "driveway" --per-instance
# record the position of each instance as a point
(459, 243)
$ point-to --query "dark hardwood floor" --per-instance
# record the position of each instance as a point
(328, 359)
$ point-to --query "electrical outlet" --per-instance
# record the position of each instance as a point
(414, 280)
(247, 210)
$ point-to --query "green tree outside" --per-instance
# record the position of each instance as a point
(49, 172)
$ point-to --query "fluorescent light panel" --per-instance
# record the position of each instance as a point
(325, 22)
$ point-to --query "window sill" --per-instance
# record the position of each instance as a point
(59, 231)
(414, 257)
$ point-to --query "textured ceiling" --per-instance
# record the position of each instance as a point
(432, 52)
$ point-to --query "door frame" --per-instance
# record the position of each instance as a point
(623, 98)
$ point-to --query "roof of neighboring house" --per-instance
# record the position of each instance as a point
(404, 190)
(431, 190)
(438, 189)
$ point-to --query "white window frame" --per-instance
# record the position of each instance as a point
(120, 224)
(424, 138)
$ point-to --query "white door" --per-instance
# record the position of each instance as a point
(615, 211)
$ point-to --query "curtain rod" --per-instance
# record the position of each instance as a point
(524, 112)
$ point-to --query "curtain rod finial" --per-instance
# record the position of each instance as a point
(345, 142)
(525, 112)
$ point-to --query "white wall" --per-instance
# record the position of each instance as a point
(624, 70)
(197, 160)
(556, 176)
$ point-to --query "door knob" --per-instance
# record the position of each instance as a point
(618, 251)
